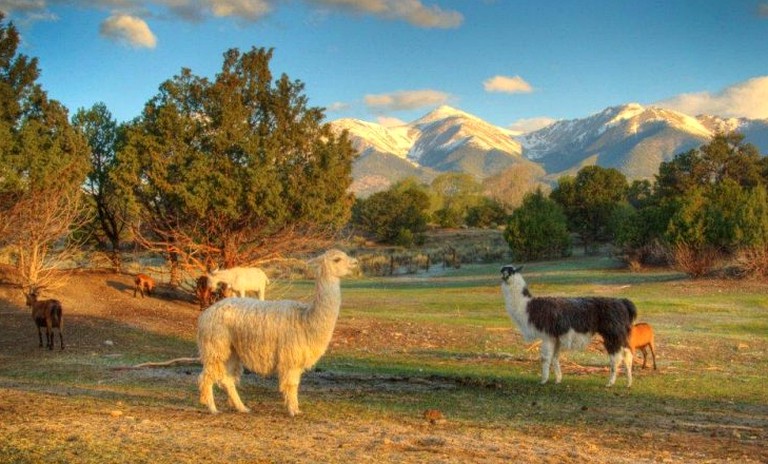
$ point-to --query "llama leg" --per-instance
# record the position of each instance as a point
(645, 357)
(653, 354)
(61, 338)
(615, 359)
(289, 387)
(40, 335)
(230, 381)
(628, 365)
(556, 362)
(205, 384)
(546, 350)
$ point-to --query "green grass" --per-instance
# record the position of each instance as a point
(445, 342)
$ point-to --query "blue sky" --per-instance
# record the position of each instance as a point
(516, 64)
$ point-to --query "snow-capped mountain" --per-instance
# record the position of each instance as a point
(446, 139)
(370, 137)
(632, 138)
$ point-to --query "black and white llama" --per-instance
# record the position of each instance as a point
(569, 323)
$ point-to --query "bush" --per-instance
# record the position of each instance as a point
(538, 229)
(697, 262)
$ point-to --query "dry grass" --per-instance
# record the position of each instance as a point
(402, 347)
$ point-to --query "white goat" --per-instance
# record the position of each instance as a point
(268, 337)
(569, 323)
(240, 280)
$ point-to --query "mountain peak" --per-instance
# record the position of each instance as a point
(443, 112)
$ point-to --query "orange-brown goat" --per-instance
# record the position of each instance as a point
(641, 337)
(144, 283)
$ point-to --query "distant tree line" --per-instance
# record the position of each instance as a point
(706, 209)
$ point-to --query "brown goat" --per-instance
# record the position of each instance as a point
(206, 295)
(144, 283)
(641, 337)
(48, 314)
(203, 292)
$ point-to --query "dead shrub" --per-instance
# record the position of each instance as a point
(696, 261)
(752, 262)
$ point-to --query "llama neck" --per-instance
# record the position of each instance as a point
(516, 297)
(325, 307)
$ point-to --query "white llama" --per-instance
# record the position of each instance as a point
(270, 337)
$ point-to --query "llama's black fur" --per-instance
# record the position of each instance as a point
(554, 317)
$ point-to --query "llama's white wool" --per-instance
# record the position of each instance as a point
(270, 337)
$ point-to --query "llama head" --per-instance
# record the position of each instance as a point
(333, 263)
(508, 271)
(511, 277)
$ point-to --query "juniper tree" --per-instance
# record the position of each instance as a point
(237, 169)
(110, 207)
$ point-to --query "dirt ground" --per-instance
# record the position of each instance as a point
(46, 420)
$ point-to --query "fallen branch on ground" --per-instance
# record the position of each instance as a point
(172, 362)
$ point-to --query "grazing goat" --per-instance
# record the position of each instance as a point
(240, 280)
(206, 294)
(144, 284)
(641, 337)
(569, 323)
(270, 337)
(48, 314)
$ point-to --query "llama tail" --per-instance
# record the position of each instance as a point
(631, 310)
(631, 316)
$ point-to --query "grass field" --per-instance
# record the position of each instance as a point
(402, 346)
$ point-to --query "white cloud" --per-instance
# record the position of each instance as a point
(522, 126)
(128, 29)
(514, 84)
(405, 100)
(748, 99)
(249, 10)
(412, 11)
(23, 6)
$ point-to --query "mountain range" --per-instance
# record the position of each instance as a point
(632, 138)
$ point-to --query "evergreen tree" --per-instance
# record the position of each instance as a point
(109, 204)
(538, 229)
(726, 156)
(396, 216)
(589, 201)
(235, 170)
